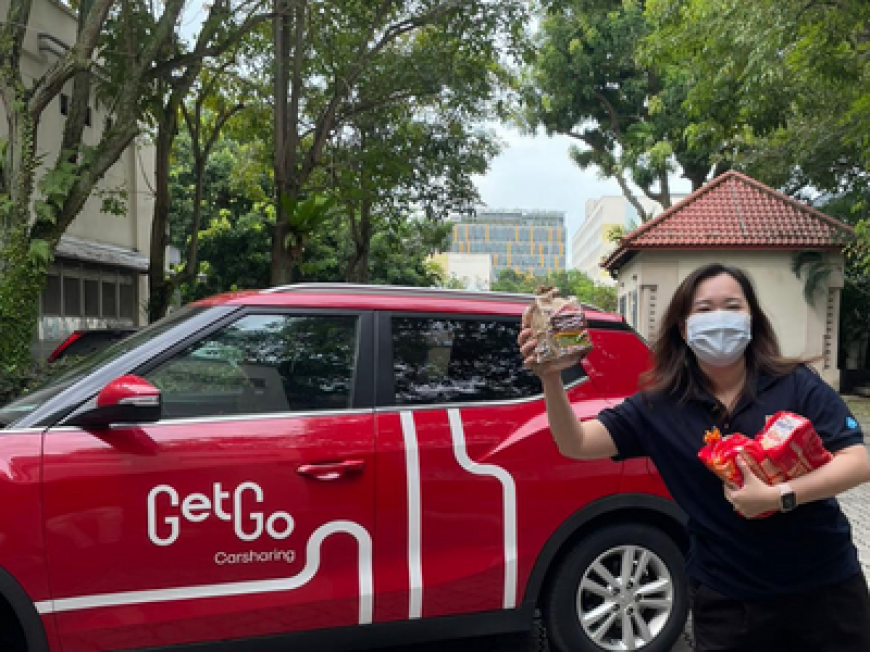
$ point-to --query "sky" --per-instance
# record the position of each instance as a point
(535, 172)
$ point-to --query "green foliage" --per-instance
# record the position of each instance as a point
(570, 282)
(305, 216)
(40, 254)
(784, 84)
(589, 83)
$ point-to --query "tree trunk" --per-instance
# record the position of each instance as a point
(191, 268)
(282, 50)
(159, 286)
(630, 196)
(287, 98)
(20, 284)
(363, 247)
(664, 190)
(21, 276)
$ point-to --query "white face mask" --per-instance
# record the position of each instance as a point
(719, 337)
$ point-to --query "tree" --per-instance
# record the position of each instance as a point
(399, 164)
(204, 125)
(223, 30)
(783, 84)
(234, 245)
(587, 82)
(570, 282)
(28, 238)
(337, 61)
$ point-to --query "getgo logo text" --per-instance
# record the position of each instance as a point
(168, 513)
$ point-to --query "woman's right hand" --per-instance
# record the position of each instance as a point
(528, 342)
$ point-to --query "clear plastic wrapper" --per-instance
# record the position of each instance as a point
(559, 326)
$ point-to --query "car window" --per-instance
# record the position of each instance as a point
(263, 364)
(447, 360)
(20, 408)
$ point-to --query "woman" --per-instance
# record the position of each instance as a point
(788, 582)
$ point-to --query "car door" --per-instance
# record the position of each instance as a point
(470, 484)
(247, 510)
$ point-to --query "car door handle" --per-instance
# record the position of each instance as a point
(331, 470)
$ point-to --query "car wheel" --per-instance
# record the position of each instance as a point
(621, 588)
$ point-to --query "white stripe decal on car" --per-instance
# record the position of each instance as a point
(412, 473)
(509, 504)
(312, 549)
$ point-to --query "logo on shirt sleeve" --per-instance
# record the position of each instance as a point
(851, 423)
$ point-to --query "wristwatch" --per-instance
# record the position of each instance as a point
(787, 497)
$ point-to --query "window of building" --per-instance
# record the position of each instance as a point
(75, 289)
(109, 290)
(448, 360)
(263, 364)
(51, 296)
(92, 297)
(72, 297)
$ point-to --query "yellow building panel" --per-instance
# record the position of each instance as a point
(486, 233)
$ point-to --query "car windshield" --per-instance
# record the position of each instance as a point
(15, 411)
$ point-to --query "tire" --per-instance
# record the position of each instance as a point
(611, 603)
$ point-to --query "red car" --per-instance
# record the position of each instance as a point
(325, 467)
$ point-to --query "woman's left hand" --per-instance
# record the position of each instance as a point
(754, 497)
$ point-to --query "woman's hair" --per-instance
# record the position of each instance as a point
(675, 369)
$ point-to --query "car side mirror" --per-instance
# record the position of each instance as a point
(128, 399)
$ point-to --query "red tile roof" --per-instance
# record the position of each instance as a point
(734, 212)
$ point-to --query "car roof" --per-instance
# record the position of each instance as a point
(389, 297)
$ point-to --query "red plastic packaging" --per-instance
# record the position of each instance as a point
(788, 447)
(793, 444)
(720, 456)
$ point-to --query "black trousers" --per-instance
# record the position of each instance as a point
(832, 619)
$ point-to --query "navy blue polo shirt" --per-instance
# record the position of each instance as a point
(745, 559)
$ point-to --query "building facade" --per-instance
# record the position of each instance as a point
(98, 277)
(590, 243)
(528, 242)
(474, 271)
(738, 221)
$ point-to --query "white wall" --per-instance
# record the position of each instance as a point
(803, 330)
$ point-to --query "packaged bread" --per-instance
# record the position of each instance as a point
(559, 326)
(792, 443)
